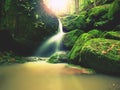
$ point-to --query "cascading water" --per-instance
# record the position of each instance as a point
(52, 45)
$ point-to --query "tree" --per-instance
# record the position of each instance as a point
(76, 6)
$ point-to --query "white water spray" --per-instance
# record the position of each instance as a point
(52, 45)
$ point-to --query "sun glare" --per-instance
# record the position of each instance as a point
(57, 6)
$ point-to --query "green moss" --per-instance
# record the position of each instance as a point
(97, 16)
(96, 33)
(101, 54)
(114, 10)
(112, 35)
(98, 12)
(70, 38)
(75, 21)
(58, 57)
(74, 53)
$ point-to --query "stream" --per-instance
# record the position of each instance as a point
(46, 76)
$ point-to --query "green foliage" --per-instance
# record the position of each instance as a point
(102, 55)
(7, 58)
(27, 6)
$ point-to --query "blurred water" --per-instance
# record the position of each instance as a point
(45, 76)
(52, 45)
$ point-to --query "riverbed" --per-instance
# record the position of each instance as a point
(46, 76)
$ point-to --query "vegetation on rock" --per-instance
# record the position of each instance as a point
(10, 58)
(73, 22)
(59, 57)
(74, 53)
(70, 38)
(102, 55)
(92, 32)
(112, 35)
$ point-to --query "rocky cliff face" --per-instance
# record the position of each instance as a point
(29, 23)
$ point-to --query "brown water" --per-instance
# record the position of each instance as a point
(44, 76)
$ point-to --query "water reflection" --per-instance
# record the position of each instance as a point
(44, 76)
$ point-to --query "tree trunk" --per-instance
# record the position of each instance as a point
(76, 6)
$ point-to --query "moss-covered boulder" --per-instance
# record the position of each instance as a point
(114, 14)
(114, 10)
(70, 38)
(107, 1)
(82, 39)
(112, 35)
(104, 17)
(103, 55)
(97, 16)
(73, 22)
(59, 57)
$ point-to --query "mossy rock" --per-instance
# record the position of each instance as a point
(98, 11)
(108, 1)
(114, 10)
(114, 15)
(75, 21)
(58, 57)
(82, 39)
(97, 16)
(103, 55)
(70, 38)
(113, 35)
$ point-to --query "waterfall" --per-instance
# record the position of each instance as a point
(51, 45)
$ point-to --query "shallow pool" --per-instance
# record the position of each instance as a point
(45, 76)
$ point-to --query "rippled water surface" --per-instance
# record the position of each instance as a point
(44, 76)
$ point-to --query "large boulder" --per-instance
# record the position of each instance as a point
(73, 22)
(114, 14)
(103, 55)
(70, 38)
(97, 17)
(82, 39)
